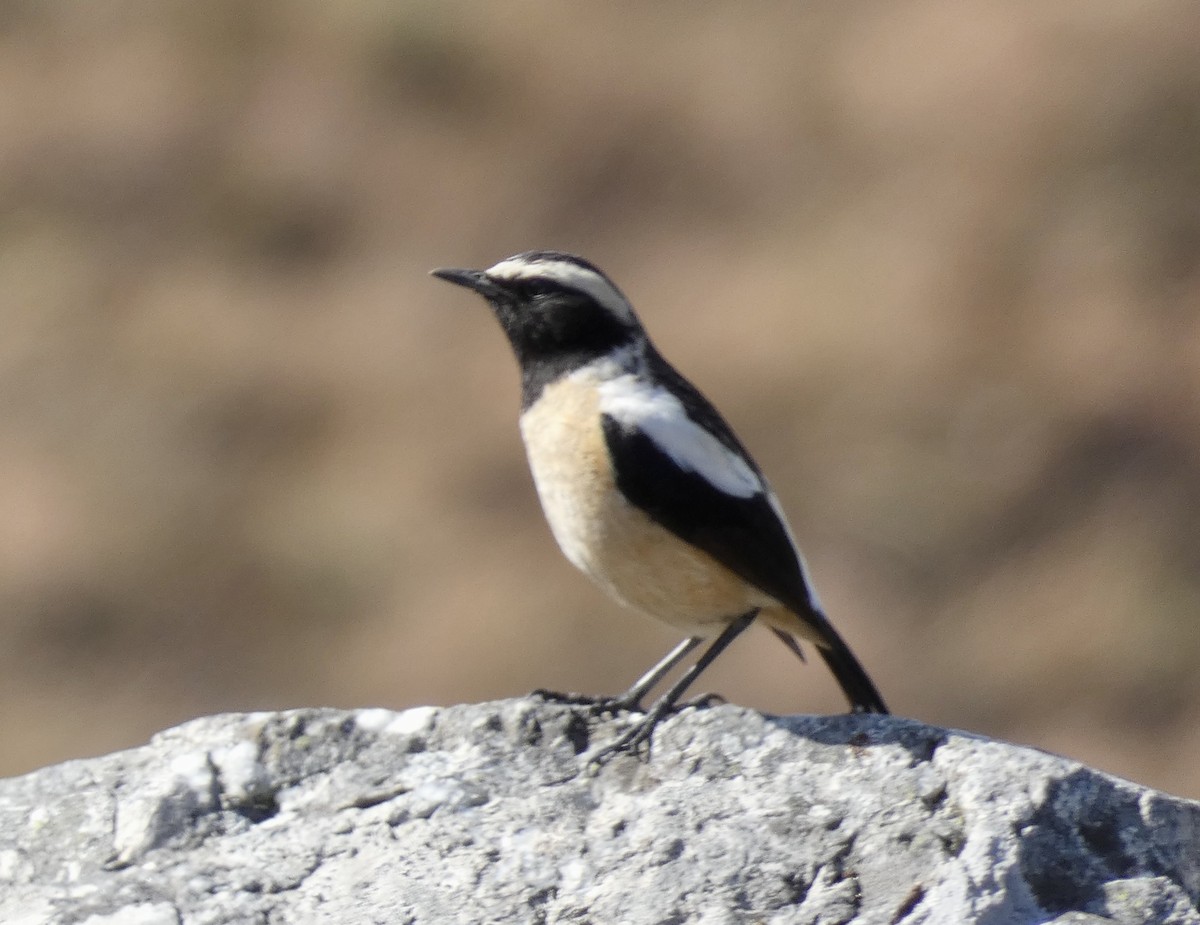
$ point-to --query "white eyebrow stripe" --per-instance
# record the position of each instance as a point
(568, 274)
(661, 416)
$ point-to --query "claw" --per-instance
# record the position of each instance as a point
(704, 701)
(596, 705)
(636, 740)
(565, 697)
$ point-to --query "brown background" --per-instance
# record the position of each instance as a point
(938, 262)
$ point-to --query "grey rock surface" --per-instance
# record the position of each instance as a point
(485, 813)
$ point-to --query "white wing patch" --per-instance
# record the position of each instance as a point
(661, 416)
(568, 274)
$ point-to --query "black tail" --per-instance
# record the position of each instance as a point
(856, 684)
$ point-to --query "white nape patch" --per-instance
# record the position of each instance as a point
(629, 360)
(589, 282)
(661, 416)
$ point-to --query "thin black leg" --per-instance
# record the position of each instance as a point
(633, 697)
(640, 734)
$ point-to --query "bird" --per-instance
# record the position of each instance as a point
(645, 487)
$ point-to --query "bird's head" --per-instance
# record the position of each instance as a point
(554, 307)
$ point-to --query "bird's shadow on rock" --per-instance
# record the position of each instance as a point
(866, 730)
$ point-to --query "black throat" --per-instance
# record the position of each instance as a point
(554, 337)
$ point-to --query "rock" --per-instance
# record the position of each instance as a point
(486, 813)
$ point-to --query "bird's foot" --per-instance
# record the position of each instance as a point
(565, 697)
(704, 701)
(636, 740)
(596, 705)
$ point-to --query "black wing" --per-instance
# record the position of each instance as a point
(744, 534)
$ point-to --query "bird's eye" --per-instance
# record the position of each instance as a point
(535, 288)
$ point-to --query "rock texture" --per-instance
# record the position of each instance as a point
(485, 813)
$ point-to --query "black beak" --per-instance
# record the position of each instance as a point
(476, 280)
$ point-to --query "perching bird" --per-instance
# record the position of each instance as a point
(645, 486)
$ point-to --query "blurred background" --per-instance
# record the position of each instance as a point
(938, 263)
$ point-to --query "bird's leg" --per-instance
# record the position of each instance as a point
(632, 698)
(637, 736)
